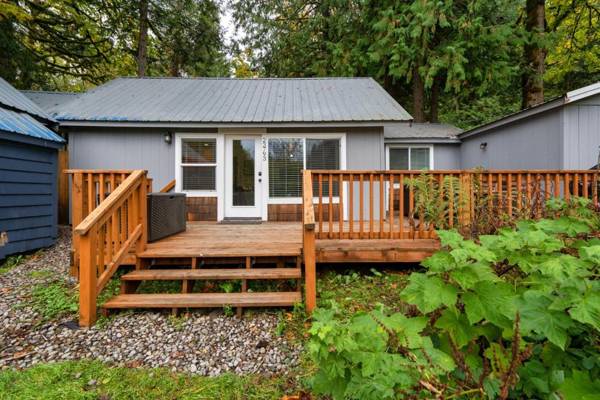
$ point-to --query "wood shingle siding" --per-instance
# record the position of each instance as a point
(201, 208)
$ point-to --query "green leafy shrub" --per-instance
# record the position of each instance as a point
(514, 315)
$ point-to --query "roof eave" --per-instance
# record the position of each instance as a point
(180, 124)
(422, 140)
(30, 140)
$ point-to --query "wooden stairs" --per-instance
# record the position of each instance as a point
(194, 271)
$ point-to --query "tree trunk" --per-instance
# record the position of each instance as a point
(418, 96)
(535, 55)
(434, 100)
(142, 48)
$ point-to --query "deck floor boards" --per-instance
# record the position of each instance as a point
(282, 239)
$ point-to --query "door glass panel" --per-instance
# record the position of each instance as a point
(243, 172)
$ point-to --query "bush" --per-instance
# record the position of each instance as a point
(514, 315)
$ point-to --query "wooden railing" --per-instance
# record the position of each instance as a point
(412, 204)
(168, 187)
(105, 237)
(90, 187)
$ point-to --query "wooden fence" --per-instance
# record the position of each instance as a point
(105, 237)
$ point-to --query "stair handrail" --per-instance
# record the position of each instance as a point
(168, 187)
(308, 241)
(106, 236)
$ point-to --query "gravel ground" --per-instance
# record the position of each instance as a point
(207, 344)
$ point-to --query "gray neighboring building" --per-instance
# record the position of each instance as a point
(563, 133)
(28, 174)
(236, 146)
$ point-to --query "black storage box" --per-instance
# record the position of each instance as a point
(166, 214)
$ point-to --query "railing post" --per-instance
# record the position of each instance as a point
(142, 217)
(76, 218)
(87, 279)
(308, 241)
(465, 199)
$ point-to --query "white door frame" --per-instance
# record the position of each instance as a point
(258, 210)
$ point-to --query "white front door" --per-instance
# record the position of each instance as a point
(243, 177)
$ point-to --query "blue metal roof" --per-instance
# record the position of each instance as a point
(25, 124)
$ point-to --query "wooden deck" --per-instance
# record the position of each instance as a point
(110, 221)
(216, 243)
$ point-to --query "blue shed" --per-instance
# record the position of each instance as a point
(28, 174)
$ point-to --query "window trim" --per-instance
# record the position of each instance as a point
(341, 136)
(219, 146)
(409, 147)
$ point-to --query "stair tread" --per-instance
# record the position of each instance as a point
(221, 273)
(197, 300)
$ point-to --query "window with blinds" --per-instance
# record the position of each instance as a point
(198, 164)
(323, 154)
(410, 158)
(289, 156)
(286, 161)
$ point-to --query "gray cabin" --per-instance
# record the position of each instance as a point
(236, 147)
(28, 174)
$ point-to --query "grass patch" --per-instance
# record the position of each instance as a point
(363, 290)
(94, 380)
(11, 262)
(53, 300)
(359, 289)
(41, 274)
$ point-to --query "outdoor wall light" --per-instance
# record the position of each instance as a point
(483, 146)
(168, 137)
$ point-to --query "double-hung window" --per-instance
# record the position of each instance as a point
(410, 158)
(289, 156)
(198, 164)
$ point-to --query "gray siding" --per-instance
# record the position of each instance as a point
(581, 140)
(124, 149)
(532, 143)
(365, 151)
(28, 196)
(446, 156)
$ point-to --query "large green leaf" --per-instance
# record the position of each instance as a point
(494, 302)
(429, 292)
(587, 308)
(458, 327)
(538, 317)
(471, 274)
(580, 387)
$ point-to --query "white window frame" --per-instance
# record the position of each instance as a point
(409, 147)
(341, 136)
(218, 164)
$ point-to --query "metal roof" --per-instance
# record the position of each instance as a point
(406, 131)
(49, 101)
(12, 98)
(226, 100)
(25, 124)
(567, 98)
